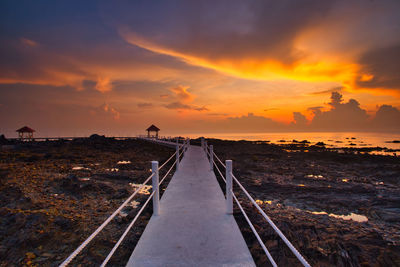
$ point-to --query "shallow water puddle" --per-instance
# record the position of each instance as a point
(77, 168)
(113, 170)
(353, 216)
(134, 204)
(314, 176)
(146, 190)
(260, 202)
(121, 162)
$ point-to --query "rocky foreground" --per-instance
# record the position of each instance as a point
(310, 193)
(55, 194)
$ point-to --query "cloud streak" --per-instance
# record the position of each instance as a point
(181, 106)
(270, 40)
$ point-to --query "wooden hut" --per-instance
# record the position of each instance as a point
(25, 133)
(151, 129)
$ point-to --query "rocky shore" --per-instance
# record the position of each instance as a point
(54, 194)
(339, 207)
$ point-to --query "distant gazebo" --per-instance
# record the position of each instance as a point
(152, 128)
(25, 133)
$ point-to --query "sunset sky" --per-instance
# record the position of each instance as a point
(115, 67)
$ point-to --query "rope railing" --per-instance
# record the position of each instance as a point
(165, 176)
(254, 231)
(180, 154)
(271, 223)
(159, 141)
(277, 230)
(126, 231)
(106, 222)
(220, 173)
(173, 155)
(215, 155)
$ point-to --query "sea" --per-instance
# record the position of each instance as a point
(331, 139)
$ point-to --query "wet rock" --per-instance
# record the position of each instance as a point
(121, 193)
(10, 195)
(63, 222)
(72, 177)
(48, 255)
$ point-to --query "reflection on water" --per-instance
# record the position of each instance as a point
(112, 170)
(260, 202)
(77, 168)
(331, 138)
(145, 190)
(353, 216)
(134, 204)
(124, 162)
(314, 176)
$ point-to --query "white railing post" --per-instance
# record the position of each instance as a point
(156, 188)
(177, 156)
(211, 158)
(228, 175)
(202, 142)
(205, 146)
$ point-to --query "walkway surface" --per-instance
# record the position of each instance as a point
(193, 228)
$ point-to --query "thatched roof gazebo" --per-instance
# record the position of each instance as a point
(152, 128)
(25, 133)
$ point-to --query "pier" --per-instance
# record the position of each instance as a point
(192, 224)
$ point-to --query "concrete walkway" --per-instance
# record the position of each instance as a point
(193, 228)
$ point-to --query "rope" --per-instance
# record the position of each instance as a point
(255, 232)
(181, 153)
(167, 161)
(219, 160)
(223, 178)
(126, 232)
(165, 176)
(95, 233)
(291, 247)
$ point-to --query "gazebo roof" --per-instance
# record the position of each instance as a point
(153, 128)
(25, 129)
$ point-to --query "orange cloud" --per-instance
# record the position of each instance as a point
(182, 92)
(103, 84)
(258, 68)
(366, 77)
